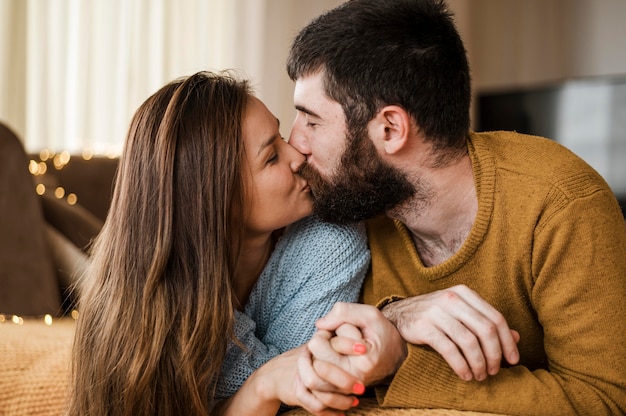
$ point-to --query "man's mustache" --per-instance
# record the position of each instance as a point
(312, 176)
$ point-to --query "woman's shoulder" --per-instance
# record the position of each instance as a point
(313, 224)
(314, 229)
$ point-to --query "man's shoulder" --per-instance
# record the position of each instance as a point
(539, 159)
(386, 234)
(380, 225)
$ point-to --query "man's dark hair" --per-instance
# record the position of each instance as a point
(400, 52)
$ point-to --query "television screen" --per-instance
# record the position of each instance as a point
(586, 115)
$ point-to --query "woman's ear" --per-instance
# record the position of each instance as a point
(390, 129)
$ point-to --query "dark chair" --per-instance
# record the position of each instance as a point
(28, 281)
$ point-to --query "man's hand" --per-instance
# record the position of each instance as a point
(468, 332)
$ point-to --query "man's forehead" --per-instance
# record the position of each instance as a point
(309, 87)
(310, 96)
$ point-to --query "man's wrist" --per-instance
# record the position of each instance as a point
(386, 307)
(388, 301)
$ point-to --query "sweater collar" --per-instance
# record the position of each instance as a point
(484, 172)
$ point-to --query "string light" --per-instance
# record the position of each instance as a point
(40, 168)
(71, 199)
(47, 318)
(59, 160)
(44, 154)
(87, 153)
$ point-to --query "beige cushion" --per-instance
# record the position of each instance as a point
(369, 407)
(35, 373)
(35, 366)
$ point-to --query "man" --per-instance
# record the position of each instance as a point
(483, 232)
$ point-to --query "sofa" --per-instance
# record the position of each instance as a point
(51, 207)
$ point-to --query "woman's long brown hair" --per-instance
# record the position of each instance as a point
(156, 306)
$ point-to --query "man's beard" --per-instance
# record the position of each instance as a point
(363, 186)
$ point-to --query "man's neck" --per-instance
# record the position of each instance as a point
(440, 223)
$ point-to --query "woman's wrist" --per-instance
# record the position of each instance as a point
(256, 397)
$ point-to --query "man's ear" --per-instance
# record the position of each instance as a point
(391, 128)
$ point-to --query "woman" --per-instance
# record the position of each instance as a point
(192, 287)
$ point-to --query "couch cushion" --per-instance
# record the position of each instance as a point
(28, 282)
(35, 366)
(76, 223)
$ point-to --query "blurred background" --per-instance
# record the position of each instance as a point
(72, 72)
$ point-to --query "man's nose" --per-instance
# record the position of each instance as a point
(297, 140)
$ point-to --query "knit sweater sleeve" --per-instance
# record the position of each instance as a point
(578, 293)
(313, 266)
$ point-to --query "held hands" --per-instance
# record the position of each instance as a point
(355, 346)
(468, 332)
(366, 344)
(275, 382)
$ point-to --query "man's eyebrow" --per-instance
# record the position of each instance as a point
(306, 111)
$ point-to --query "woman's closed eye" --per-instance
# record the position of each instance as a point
(272, 159)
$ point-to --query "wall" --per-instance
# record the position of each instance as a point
(273, 85)
(510, 43)
(516, 43)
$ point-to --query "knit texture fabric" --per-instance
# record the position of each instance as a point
(35, 367)
(548, 250)
(313, 266)
(369, 407)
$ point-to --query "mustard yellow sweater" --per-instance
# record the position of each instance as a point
(548, 250)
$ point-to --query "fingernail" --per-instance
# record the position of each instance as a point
(514, 356)
(355, 402)
(359, 348)
(358, 388)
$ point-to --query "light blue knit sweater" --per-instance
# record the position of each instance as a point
(314, 265)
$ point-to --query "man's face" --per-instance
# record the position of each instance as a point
(349, 180)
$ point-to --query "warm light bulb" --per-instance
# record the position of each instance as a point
(33, 167)
(87, 153)
(72, 199)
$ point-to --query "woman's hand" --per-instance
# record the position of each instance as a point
(278, 381)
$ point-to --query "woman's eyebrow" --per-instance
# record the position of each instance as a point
(267, 142)
(270, 140)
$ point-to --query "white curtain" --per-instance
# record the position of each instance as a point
(72, 72)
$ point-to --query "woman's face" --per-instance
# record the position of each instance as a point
(276, 195)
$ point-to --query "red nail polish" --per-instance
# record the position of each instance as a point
(358, 388)
(359, 348)
(355, 402)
